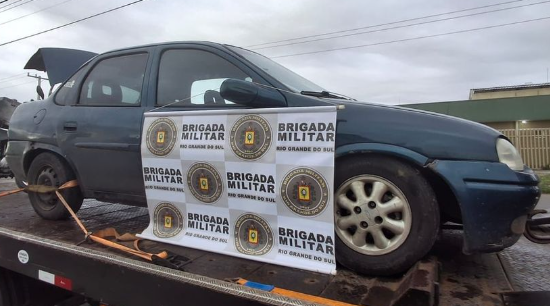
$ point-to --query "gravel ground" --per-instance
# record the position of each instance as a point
(528, 264)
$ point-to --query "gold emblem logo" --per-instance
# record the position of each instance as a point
(252, 234)
(167, 220)
(203, 182)
(250, 137)
(305, 192)
(161, 136)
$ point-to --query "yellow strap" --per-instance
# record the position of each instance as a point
(40, 188)
(98, 236)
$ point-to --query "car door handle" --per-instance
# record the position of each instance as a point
(70, 126)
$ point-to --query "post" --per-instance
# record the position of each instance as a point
(40, 78)
(518, 146)
(39, 83)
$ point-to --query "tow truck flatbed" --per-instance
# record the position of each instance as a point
(57, 254)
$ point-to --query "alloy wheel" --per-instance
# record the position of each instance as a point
(373, 216)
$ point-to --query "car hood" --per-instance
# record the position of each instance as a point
(435, 136)
(58, 63)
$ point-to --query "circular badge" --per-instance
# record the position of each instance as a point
(204, 182)
(167, 221)
(23, 256)
(161, 136)
(253, 236)
(250, 137)
(305, 192)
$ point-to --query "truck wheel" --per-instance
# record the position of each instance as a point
(386, 215)
(48, 169)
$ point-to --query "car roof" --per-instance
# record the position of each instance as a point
(205, 43)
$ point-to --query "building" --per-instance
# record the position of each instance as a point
(525, 120)
(527, 90)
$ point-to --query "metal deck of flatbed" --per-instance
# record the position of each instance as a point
(463, 280)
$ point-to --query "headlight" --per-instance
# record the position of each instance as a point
(507, 154)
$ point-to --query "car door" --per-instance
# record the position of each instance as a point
(100, 132)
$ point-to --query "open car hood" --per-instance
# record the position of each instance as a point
(58, 63)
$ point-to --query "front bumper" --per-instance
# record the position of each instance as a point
(494, 201)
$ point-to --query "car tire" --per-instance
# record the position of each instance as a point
(386, 215)
(48, 169)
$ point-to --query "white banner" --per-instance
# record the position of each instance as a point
(255, 184)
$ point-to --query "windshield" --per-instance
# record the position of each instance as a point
(290, 79)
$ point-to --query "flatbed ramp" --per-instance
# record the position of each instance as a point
(56, 254)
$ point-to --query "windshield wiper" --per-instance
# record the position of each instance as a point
(325, 94)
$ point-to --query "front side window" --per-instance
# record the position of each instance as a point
(115, 81)
(193, 77)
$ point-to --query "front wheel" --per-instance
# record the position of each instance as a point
(386, 215)
(49, 170)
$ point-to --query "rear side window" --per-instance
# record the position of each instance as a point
(193, 77)
(115, 81)
(68, 91)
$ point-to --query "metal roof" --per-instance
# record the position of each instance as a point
(492, 110)
(513, 87)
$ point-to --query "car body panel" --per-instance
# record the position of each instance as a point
(104, 149)
(421, 132)
(491, 197)
(381, 148)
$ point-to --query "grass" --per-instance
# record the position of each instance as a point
(545, 183)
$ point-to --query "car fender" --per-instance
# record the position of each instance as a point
(34, 148)
(386, 149)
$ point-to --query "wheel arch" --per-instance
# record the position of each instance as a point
(447, 201)
(382, 149)
(37, 149)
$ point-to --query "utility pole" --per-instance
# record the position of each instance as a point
(40, 78)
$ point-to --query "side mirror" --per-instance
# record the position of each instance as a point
(250, 94)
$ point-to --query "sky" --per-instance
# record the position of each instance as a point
(442, 68)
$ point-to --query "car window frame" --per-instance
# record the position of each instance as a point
(204, 48)
(77, 81)
(144, 84)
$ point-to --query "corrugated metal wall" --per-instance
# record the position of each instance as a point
(533, 145)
